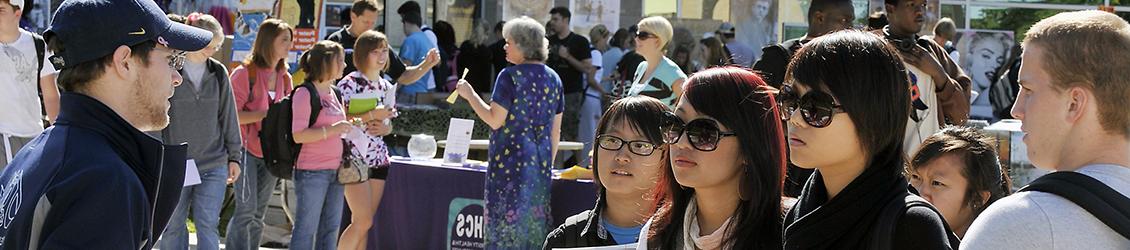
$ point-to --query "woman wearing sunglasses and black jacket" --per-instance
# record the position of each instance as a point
(846, 100)
(727, 153)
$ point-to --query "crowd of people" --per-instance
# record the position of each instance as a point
(841, 138)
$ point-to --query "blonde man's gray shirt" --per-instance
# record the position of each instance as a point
(1037, 220)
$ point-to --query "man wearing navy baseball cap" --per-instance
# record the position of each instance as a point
(94, 180)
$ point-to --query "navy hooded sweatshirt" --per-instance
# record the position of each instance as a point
(91, 181)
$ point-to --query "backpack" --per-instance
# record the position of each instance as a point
(884, 230)
(1097, 198)
(280, 152)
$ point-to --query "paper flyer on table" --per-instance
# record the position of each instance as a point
(458, 140)
(363, 102)
(191, 174)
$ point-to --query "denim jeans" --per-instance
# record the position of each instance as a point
(252, 193)
(205, 200)
(318, 212)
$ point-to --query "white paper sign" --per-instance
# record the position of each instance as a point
(458, 140)
(191, 175)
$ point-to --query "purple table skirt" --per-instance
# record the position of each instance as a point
(427, 206)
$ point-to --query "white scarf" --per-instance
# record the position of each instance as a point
(691, 240)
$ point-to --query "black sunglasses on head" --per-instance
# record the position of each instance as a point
(702, 133)
(816, 107)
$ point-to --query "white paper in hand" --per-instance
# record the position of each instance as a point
(359, 138)
(191, 174)
(458, 140)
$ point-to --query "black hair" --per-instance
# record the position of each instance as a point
(561, 11)
(445, 34)
(409, 7)
(643, 114)
(866, 77)
(740, 100)
(825, 6)
(982, 168)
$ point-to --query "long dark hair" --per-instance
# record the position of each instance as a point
(644, 115)
(741, 101)
(866, 76)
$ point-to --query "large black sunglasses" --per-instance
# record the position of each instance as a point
(613, 143)
(816, 107)
(644, 35)
(703, 134)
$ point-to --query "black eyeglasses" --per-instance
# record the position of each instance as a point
(703, 134)
(644, 35)
(816, 107)
(613, 143)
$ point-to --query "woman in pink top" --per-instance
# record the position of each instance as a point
(319, 195)
(267, 66)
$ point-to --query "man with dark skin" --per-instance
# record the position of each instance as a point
(939, 88)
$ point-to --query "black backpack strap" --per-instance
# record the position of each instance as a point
(1097, 198)
(315, 102)
(40, 51)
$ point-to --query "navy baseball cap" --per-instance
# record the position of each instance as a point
(91, 29)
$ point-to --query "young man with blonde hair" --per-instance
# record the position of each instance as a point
(1073, 104)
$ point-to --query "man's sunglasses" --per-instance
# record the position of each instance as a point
(176, 59)
(613, 143)
(703, 134)
(644, 35)
(816, 107)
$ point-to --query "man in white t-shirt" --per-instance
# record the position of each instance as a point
(1074, 87)
(939, 90)
(22, 76)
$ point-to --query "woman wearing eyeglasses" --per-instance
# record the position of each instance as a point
(845, 96)
(658, 76)
(727, 154)
(626, 167)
